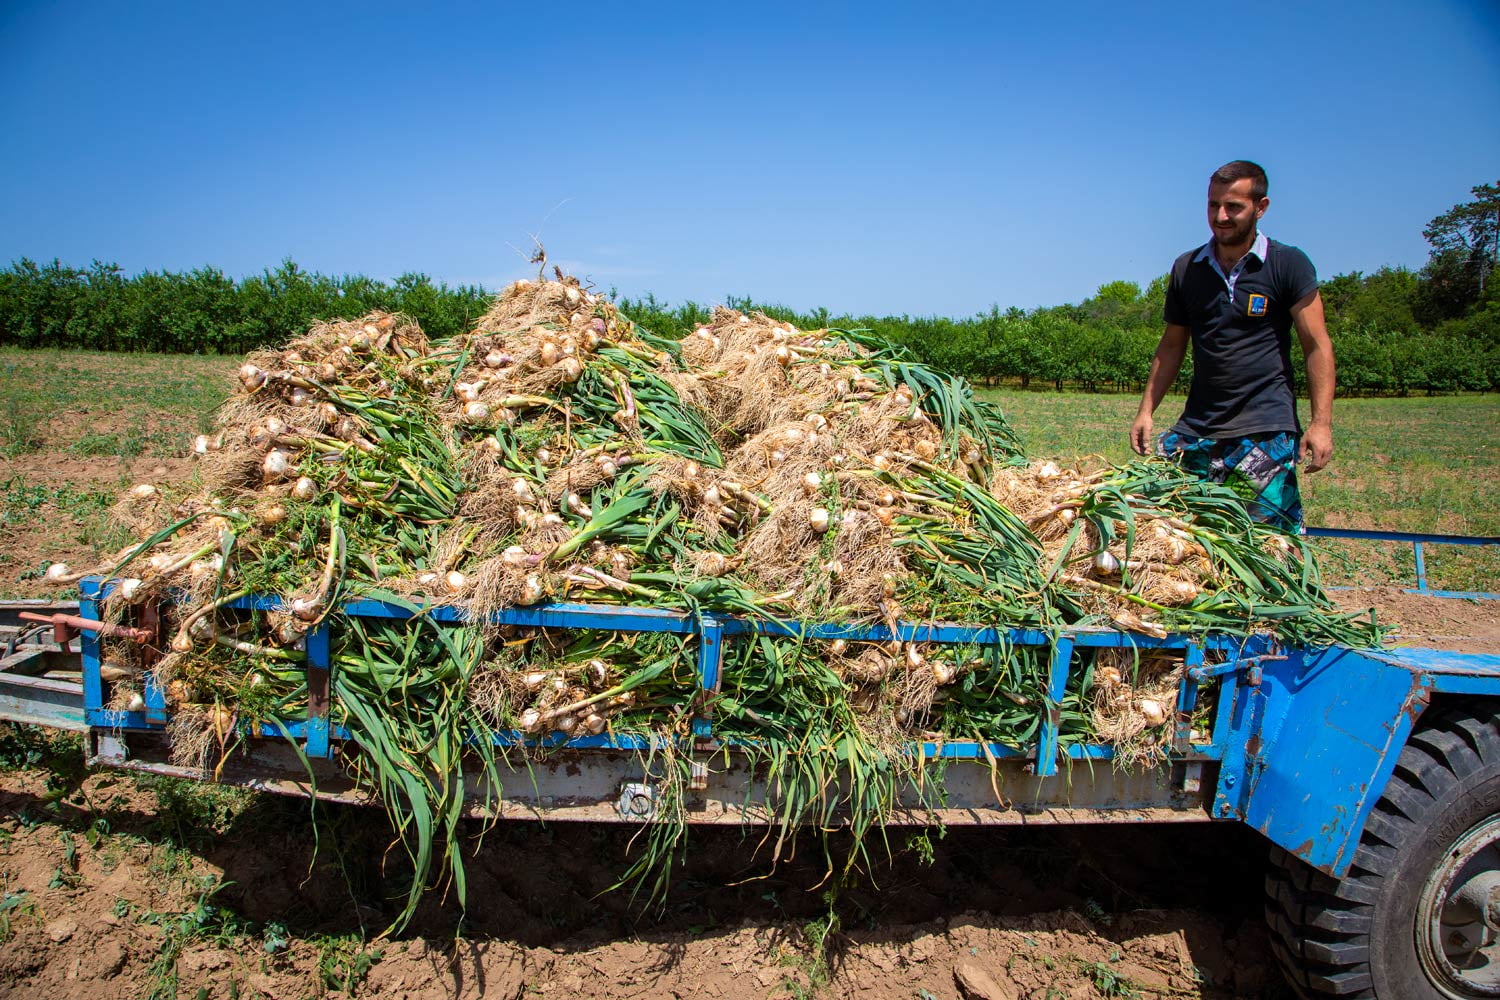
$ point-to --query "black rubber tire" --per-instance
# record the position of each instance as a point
(1354, 937)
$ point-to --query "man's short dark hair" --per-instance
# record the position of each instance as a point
(1237, 170)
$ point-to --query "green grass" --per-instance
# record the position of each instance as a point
(102, 382)
(132, 443)
(20, 422)
(96, 403)
(1415, 464)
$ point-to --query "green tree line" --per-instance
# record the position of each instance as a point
(1395, 331)
(205, 312)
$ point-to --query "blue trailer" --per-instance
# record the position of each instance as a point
(1374, 774)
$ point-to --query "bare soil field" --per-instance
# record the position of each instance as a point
(1463, 626)
(115, 892)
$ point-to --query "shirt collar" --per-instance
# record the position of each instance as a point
(1258, 248)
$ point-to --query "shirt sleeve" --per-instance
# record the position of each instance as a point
(1299, 277)
(1174, 310)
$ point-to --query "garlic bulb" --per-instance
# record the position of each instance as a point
(222, 720)
(111, 671)
(532, 591)
(1152, 711)
(252, 377)
(275, 465)
(1181, 591)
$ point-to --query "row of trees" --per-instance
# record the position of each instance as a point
(1395, 331)
(204, 311)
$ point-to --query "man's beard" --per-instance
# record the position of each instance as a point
(1239, 235)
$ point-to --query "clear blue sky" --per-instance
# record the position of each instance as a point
(923, 158)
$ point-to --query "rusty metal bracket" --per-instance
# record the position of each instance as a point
(65, 628)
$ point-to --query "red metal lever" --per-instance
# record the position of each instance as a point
(65, 627)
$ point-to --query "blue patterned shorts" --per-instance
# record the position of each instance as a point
(1261, 468)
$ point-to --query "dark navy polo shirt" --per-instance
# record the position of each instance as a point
(1241, 333)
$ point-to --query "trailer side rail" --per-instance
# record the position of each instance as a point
(1417, 539)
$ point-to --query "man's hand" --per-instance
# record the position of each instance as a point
(1140, 434)
(1317, 447)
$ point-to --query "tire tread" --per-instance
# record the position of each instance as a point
(1320, 927)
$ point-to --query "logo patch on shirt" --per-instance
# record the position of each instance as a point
(1257, 306)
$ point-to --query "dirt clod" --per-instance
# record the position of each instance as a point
(976, 983)
(61, 929)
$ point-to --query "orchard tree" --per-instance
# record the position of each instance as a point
(1465, 244)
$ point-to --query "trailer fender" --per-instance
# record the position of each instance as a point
(1311, 747)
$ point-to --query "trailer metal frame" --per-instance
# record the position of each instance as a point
(1301, 742)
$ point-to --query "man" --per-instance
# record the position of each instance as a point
(1237, 298)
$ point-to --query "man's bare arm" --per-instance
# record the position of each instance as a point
(1165, 364)
(1317, 349)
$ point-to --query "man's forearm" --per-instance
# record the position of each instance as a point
(1317, 351)
(1165, 364)
(1320, 384)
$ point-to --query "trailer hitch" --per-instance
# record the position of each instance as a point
(1250, 665)
(66, 627)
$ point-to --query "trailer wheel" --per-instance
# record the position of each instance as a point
(1418, 915)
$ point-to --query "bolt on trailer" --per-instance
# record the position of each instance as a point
(1375, 774)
